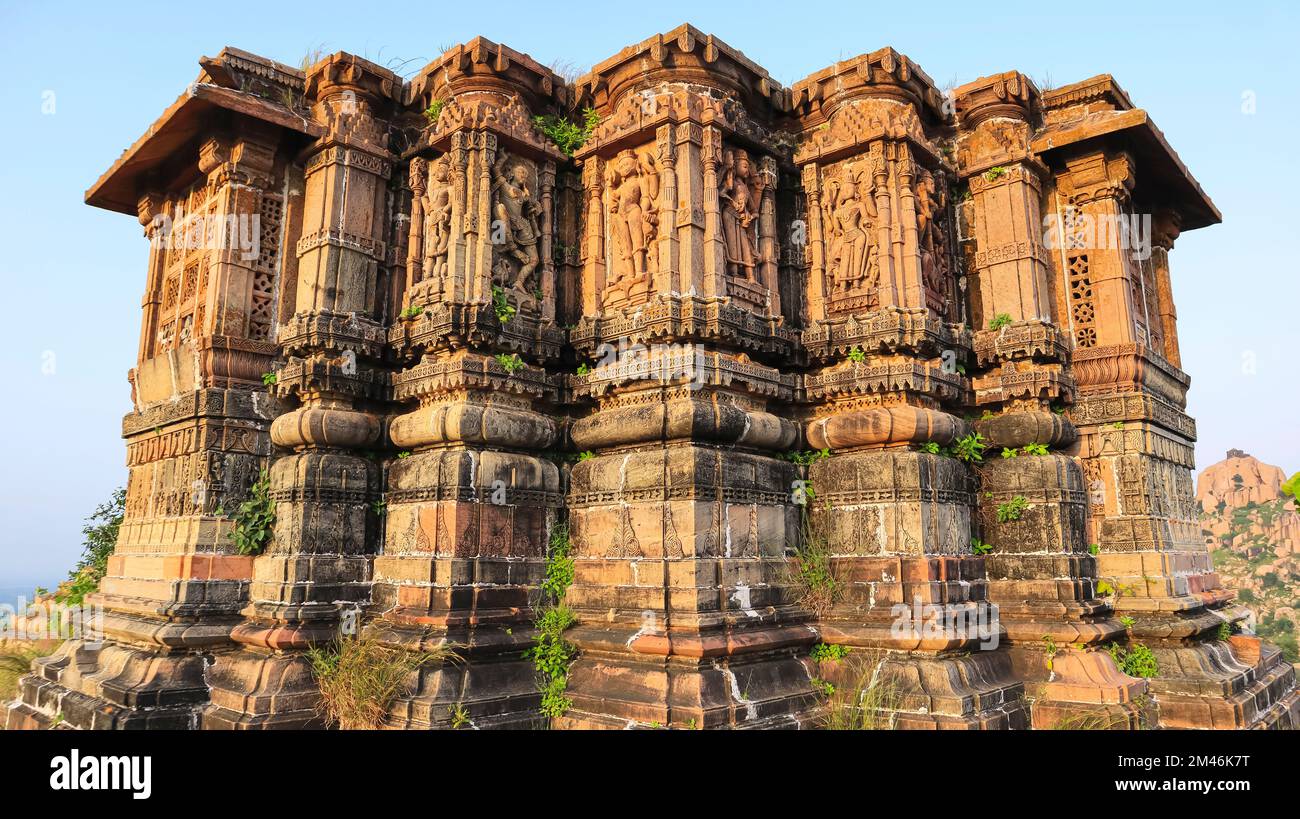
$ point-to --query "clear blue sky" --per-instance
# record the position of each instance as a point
(73, 276)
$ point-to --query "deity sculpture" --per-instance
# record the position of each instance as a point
(430, 186)
(634, 188)
(931, 203)
(519, 212)
(741, 192)
(850, 211)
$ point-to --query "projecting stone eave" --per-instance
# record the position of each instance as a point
(686, 54)
(150, 162)
(880, 73)
(1098, 110)
(465, 66)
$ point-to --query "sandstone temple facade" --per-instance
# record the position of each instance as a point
(451, 332)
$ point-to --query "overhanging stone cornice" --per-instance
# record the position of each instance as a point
(1164, 180)
(185, 121)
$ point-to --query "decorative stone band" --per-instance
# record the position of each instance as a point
(898, 375)
(448, 326)
(473, 425)
(1019, 429)
(687, 366)
(893, 329)
(886, 427)
(328, 428)
(310, 331)
(707, 419)
(1035, 339)
(1129, 367)
(676, 317)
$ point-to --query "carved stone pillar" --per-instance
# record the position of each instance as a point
(471, 500)
(1032, 506)
(886, 376)
(680, 517)
(317, 565)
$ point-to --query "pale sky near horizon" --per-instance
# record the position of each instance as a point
(73, 275)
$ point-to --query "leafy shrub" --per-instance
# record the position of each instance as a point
(1136, 661)
(255, 519)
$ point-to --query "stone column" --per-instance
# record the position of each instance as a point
(1032, 507)
(313, 577)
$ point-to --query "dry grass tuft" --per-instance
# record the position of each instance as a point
(359, 679)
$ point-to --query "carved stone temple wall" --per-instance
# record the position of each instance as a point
(730, 322)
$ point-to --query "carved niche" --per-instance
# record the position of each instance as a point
(430, 219)
(517, 225)
(632, 216)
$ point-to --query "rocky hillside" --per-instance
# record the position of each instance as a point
(1254, 531)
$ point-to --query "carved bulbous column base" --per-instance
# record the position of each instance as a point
(766, 689)
(256, 689)
(464, 546)
(910, 598)
(1236, 683)
(913, 691)
(111, 687)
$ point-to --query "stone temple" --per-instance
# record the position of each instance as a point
(444, 329)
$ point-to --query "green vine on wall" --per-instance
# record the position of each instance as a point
(255, 519)
(551, 653)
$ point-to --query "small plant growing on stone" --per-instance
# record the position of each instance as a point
(411, 312)
(1050, 649)
(1000, 320)
(822, 687)
(100, 534)
(510, 363)
(380, 507)
(932, 448)
(857, 356)
(459, 715)
(828, 652)
(268, 379)
(806, 457)
(584, 369)
(255, 519)
(1136, 661)
(1291, 487)
(1034, 449)
(1009, 452)
(402, 455)
(1117, 425)
(551, 653)
(501, 305)
(435, 108)
(1224, 632)
(995, 173)
(586, 456)
(813, 575)
(1127, 621)
(970, 448)
(870, 701)
(979, 547)
(1094, 549)
(1012, 509)
(567, 135)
